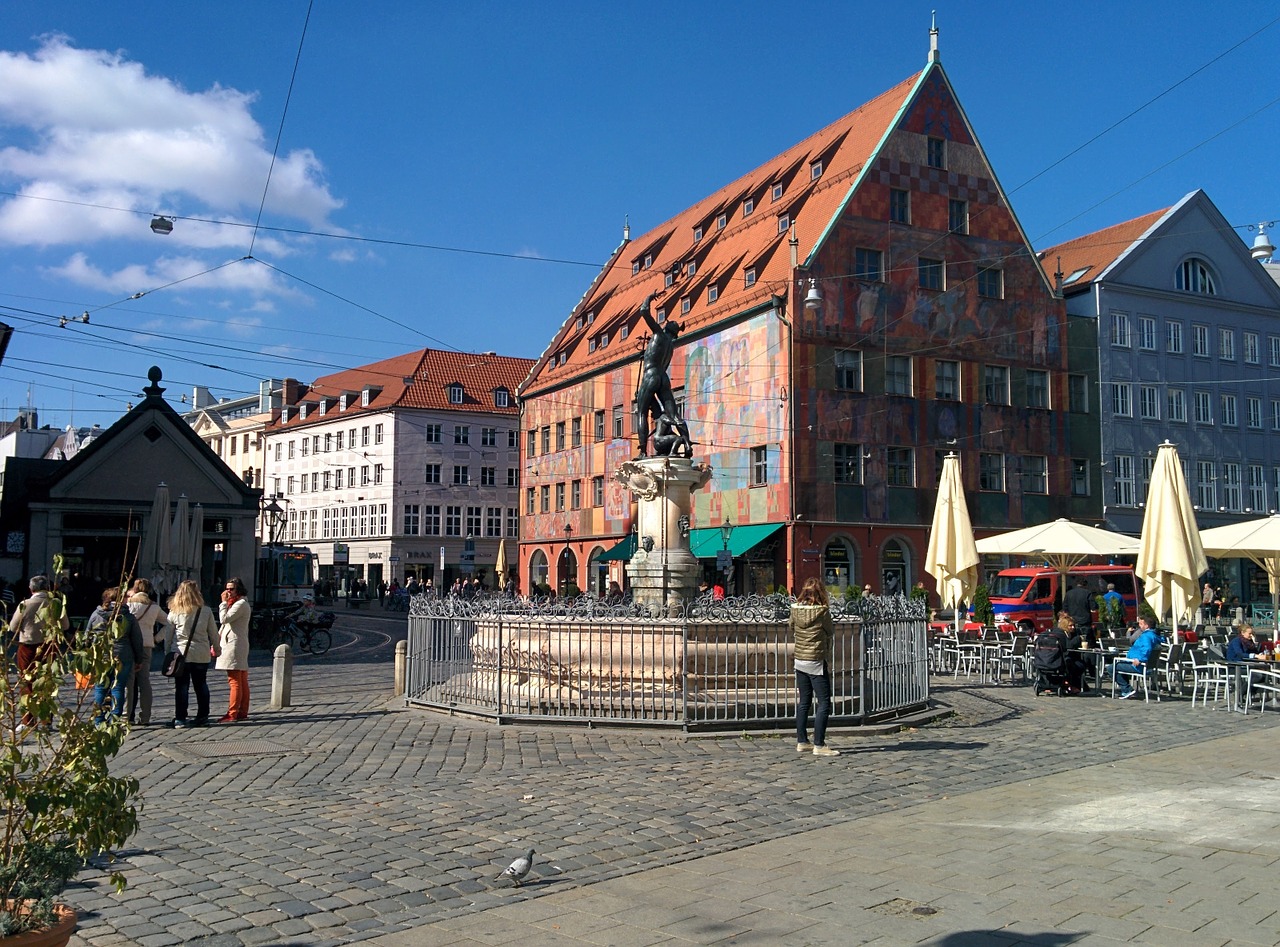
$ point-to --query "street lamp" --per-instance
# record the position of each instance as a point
(568, 535)
(276, 516)
(725, 560)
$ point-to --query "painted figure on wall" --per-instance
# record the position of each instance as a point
(654, 397)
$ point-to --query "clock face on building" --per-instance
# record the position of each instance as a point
(16, 542)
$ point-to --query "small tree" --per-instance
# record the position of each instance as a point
(62, 805)
(983, 613)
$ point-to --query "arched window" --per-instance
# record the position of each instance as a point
(1196, 276)
(537, 570)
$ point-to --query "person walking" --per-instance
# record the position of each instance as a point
(193, 633)
(114, 619)
(155, 628)
(35, 620)
(812, 632)
(233, 643)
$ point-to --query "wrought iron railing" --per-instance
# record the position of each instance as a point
(716, 663)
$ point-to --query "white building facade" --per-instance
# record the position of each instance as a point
(408, 466)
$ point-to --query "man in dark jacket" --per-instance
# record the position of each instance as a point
(1078, 603)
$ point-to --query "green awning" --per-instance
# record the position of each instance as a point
(705, 543)
(622, 552)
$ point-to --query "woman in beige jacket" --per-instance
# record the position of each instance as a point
(812, 632)
(155, 628)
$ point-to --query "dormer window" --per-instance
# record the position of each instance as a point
(749, 277)
(648, 260)
(722, 221)
(777, 191)
(302, 411)
(784, 223)
(635, 267)
(591, 317)
(713, 293)
(563, 357)
(342, 401)
(591, 345)
(685, 304)
(748, 206)
(580, 323)
(284, 415)
(669, 278)
(324, 406)
(624, 332)
(455, 393)
(697, 234)
(604, 339)
(692, 268)
(1196, 276)
(815, 170)
(501, 398)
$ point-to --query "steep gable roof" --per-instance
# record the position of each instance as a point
(1087, 257)
(736, 240)
(418, 379)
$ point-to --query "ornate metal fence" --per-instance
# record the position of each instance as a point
(715, 664)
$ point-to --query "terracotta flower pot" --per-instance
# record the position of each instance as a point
(56, 936)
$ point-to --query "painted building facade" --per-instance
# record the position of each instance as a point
(850, 311)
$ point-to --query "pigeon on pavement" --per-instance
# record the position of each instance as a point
(517, 869)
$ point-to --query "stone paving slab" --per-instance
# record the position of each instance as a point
(361, 818)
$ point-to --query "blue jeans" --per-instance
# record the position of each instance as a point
(811, 686)
(115, 687)
(1130, 666)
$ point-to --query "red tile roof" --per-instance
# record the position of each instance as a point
(419, 379)
(1094, 252)
(722, 257)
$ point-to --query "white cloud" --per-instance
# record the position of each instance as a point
(92, 127)
(188, 273)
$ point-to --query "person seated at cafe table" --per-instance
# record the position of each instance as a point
(1075, 663)
(1243, 647)
(1138, 658)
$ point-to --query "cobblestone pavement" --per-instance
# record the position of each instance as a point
(348, 817)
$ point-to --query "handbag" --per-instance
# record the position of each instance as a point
(174, 661)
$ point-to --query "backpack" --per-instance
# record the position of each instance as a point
(1048, 654)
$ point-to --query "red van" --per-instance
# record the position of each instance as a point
(1032, 592)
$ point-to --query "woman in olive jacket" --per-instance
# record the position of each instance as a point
(812, 631)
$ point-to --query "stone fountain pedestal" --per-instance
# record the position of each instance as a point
(663, 571)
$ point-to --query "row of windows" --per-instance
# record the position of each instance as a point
(367, 519)
(868, 266)
(900, 211)
(899, 379)
(338, 478)
(995, 470)
(1230, 487)
(425, 520)
(348, 440)
(569, 434)
(243, 440)
(539, 500)
(1147, 339)
(1174, 403)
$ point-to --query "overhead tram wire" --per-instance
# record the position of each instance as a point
(284, 112)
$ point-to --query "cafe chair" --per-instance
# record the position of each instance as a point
(1139, 678)
(1262, 681)
(1011, 657)
(1206, 676)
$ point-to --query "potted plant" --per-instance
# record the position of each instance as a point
(62, 805)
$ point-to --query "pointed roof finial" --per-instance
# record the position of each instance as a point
(934, 55)
(626, 229)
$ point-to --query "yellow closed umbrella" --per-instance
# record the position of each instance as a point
(1170, 555)
(500, 568)
(952, 557)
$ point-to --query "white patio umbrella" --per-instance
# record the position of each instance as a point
(153, 554)
(179, 543)
(195, 555)
(1171, 558)
(1062, 543)
(952, 558)
(1257, 539)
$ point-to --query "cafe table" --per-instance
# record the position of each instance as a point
(1097, 658)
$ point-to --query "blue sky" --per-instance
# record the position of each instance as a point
(526, 133)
